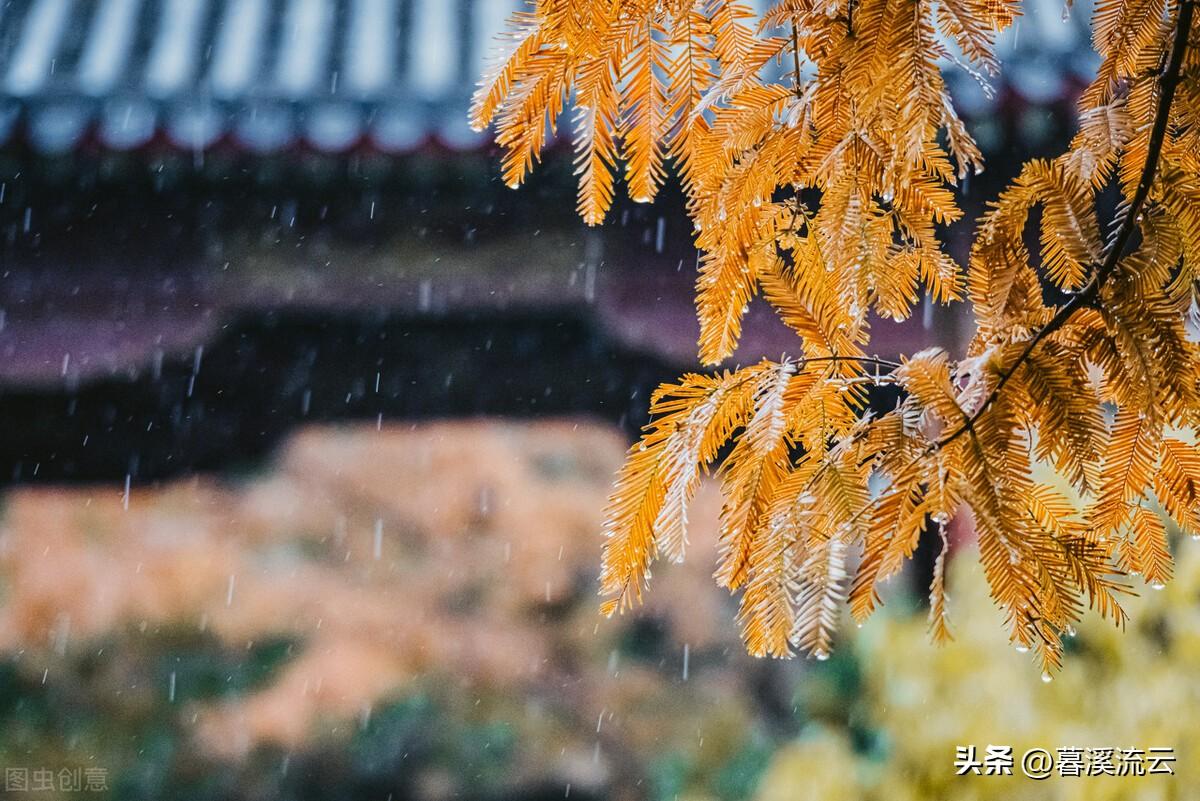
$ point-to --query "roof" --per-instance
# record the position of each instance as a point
(265, 73)
(329, 74)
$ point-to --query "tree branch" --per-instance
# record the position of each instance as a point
(796, 60)
(871, 360)
(1128, 219)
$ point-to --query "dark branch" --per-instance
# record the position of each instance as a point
(1128, 219)
(796, 60)
(871, 360)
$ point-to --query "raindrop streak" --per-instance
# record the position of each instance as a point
(171, 688)
(125, 496)
(593, 252)
(589, 282)
(659, 234)
(229, 592)
(62, 634)
(687, 652)
(378, 537)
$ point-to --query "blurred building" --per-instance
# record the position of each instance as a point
(330, 75)
(262, 75)
(284, 197)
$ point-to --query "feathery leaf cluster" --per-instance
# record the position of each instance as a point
(819, 150)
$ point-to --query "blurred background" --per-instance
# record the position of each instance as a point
(307, 425)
